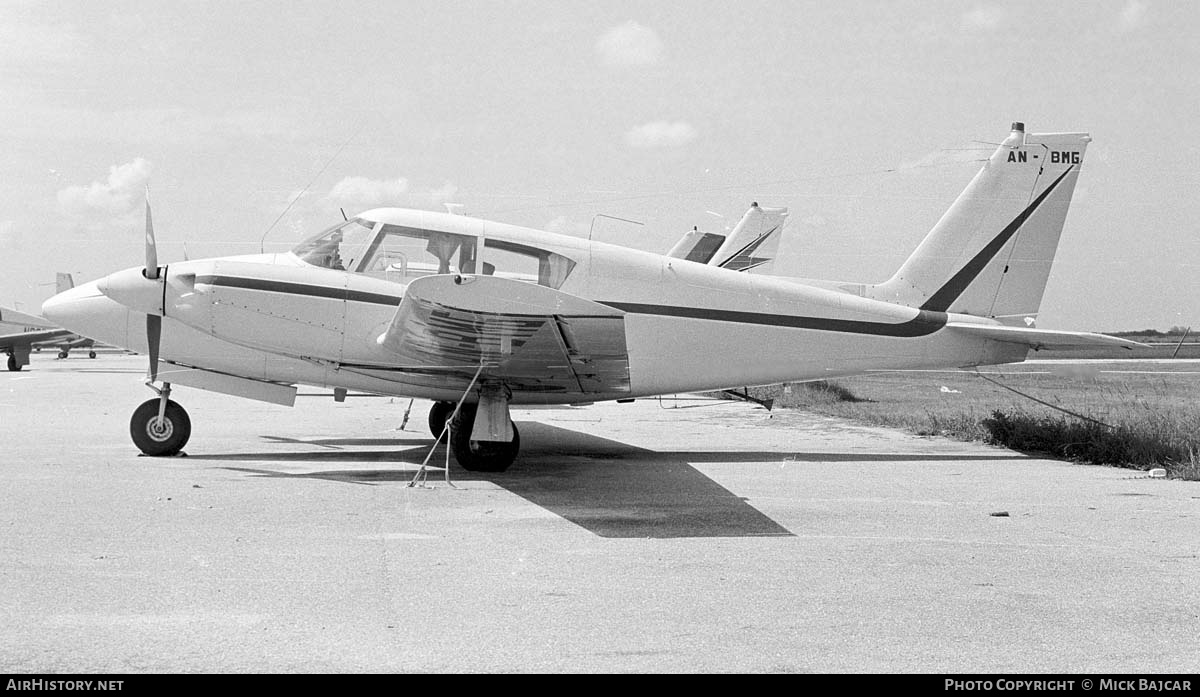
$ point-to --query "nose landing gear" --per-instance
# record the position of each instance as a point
(160, 427)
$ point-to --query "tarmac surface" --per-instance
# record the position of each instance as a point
(627, 537)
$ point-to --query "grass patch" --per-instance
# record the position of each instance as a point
(1142, 445)
(1153, 419)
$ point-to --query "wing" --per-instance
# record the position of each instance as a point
(10, 342)
(21, 320)
(530, 337)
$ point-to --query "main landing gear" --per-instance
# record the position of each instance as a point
(13, 365)
(474, 455)
(438, 413)
(160, 427)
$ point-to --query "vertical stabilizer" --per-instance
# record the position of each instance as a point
(63, 282)
(754, 242)
(990, 254)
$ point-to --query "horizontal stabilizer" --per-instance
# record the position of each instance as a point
(1041, 339)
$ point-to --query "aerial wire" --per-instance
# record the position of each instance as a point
(728, 187)
(262, 240)
(1055, 407)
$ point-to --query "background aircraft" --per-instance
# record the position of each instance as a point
(22, 333)
(19, 332)
(752, 245)
(64, 344)
(478, 315)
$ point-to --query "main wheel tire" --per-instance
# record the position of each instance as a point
(163, 439)
(91, 354)
(480, 455)
(12, 363)
(62, 354)
(438, 413)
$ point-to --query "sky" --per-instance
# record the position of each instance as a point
(253, 123)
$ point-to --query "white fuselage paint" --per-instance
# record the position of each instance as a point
(688, 326)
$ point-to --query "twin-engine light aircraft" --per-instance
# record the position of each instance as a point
(480, 316)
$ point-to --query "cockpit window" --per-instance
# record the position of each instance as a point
(339, 247)
(402, 253)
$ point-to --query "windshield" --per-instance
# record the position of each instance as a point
(339, 247)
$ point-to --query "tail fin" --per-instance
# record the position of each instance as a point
(990, 254)
(63, 282)
(753, 244)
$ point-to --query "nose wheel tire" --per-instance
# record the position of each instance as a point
(480, 455)
(160, 438)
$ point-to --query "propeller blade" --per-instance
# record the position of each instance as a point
(151, 250)
(153, 336)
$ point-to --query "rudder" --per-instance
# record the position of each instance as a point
(991, 252)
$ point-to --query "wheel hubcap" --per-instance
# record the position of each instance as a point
(159, 430)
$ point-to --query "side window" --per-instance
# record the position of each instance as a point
(401, 254)
(525, 263)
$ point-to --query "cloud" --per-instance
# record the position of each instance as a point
(983, 19)
(629, 44)
(661, 134)
(1132, 16)
(116, 195)
(366, 192)
(443, 194)
(565, 226)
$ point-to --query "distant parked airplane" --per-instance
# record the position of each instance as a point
(752, 245)
(21, 333)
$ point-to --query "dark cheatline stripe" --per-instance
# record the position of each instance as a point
(923, 324)
(300, 289)
(947, 294)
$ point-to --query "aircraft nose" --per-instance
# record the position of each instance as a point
(86, 311)
(63, 309)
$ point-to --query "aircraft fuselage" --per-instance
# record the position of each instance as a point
(687, 326)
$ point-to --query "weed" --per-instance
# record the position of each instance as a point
(1150, 419)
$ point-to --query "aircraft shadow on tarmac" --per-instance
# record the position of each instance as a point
(607, 487)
